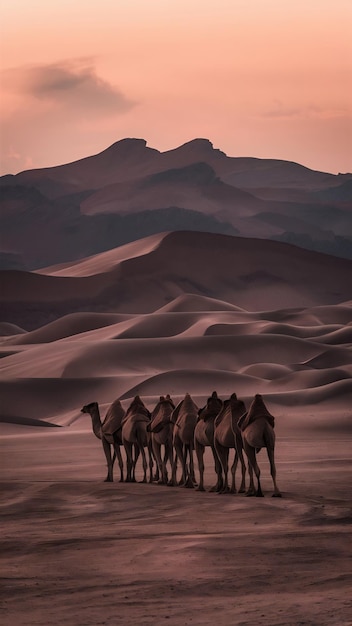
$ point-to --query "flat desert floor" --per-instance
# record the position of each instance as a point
(78, 551)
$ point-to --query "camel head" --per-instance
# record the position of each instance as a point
(87, 408)
(214, 401)
(136, 402)
(258, 409)
(169, 399)
(212, 407)
(257, 402)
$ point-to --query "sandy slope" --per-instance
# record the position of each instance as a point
(296, 356)
(251, 274)
(77, 551)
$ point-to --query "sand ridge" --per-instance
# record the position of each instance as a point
(153, 273)
(173, 350)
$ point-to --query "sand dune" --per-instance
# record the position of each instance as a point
(172, 314)
(191, 327)
(6, 328)
(68, 326)
(250, 274)
(105, 261)
(88, 356)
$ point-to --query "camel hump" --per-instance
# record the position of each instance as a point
(223, 411)
(212, 407)
(184, 409)
(258, 410)
(116, 406)
(137, 406)
(238, 411)
(214, 398)
(113, 418)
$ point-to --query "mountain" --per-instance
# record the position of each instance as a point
(130, 191)
(146, 275)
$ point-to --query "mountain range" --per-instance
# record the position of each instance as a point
(130, 191)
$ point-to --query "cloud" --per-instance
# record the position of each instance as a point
(72, 83)
(57, 112)
(281, 111)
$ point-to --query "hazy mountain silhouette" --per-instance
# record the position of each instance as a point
(130, 191)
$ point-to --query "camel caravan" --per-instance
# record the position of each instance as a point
(167, 438)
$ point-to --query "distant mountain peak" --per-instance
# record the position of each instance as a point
(198, 142)
(128, 142)
(127, 145)
(199, 146)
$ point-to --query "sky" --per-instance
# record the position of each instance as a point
(260, 78)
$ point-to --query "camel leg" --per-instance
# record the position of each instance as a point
(189, 470)
(251, 488)
(119, 458)
(239, 453)
(233, 473)
(145, 465)
(107, 451)
(135, 448)
(151, 463)
(129, 462)
(170, 458)
(251, 454)
(277, 493)
(200, 458)
(178, 455)
(223, 454)
(218, 471)
(152, 456)
(157, 456)
(173, 481)
(163, 469)
(192, 475)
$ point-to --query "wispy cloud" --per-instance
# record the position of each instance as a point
(67, 83)
(54, 109)
(279, 110)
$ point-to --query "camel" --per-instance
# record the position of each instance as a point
(161, 428)
(204, 436)
(134, 433)
(227, 435)
(109, 431)
(184, 417)
(257, 427)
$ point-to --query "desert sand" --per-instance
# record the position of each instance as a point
(78, 551)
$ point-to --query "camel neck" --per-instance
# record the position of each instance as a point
(96, 421)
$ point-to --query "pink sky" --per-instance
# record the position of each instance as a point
(258, 78)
